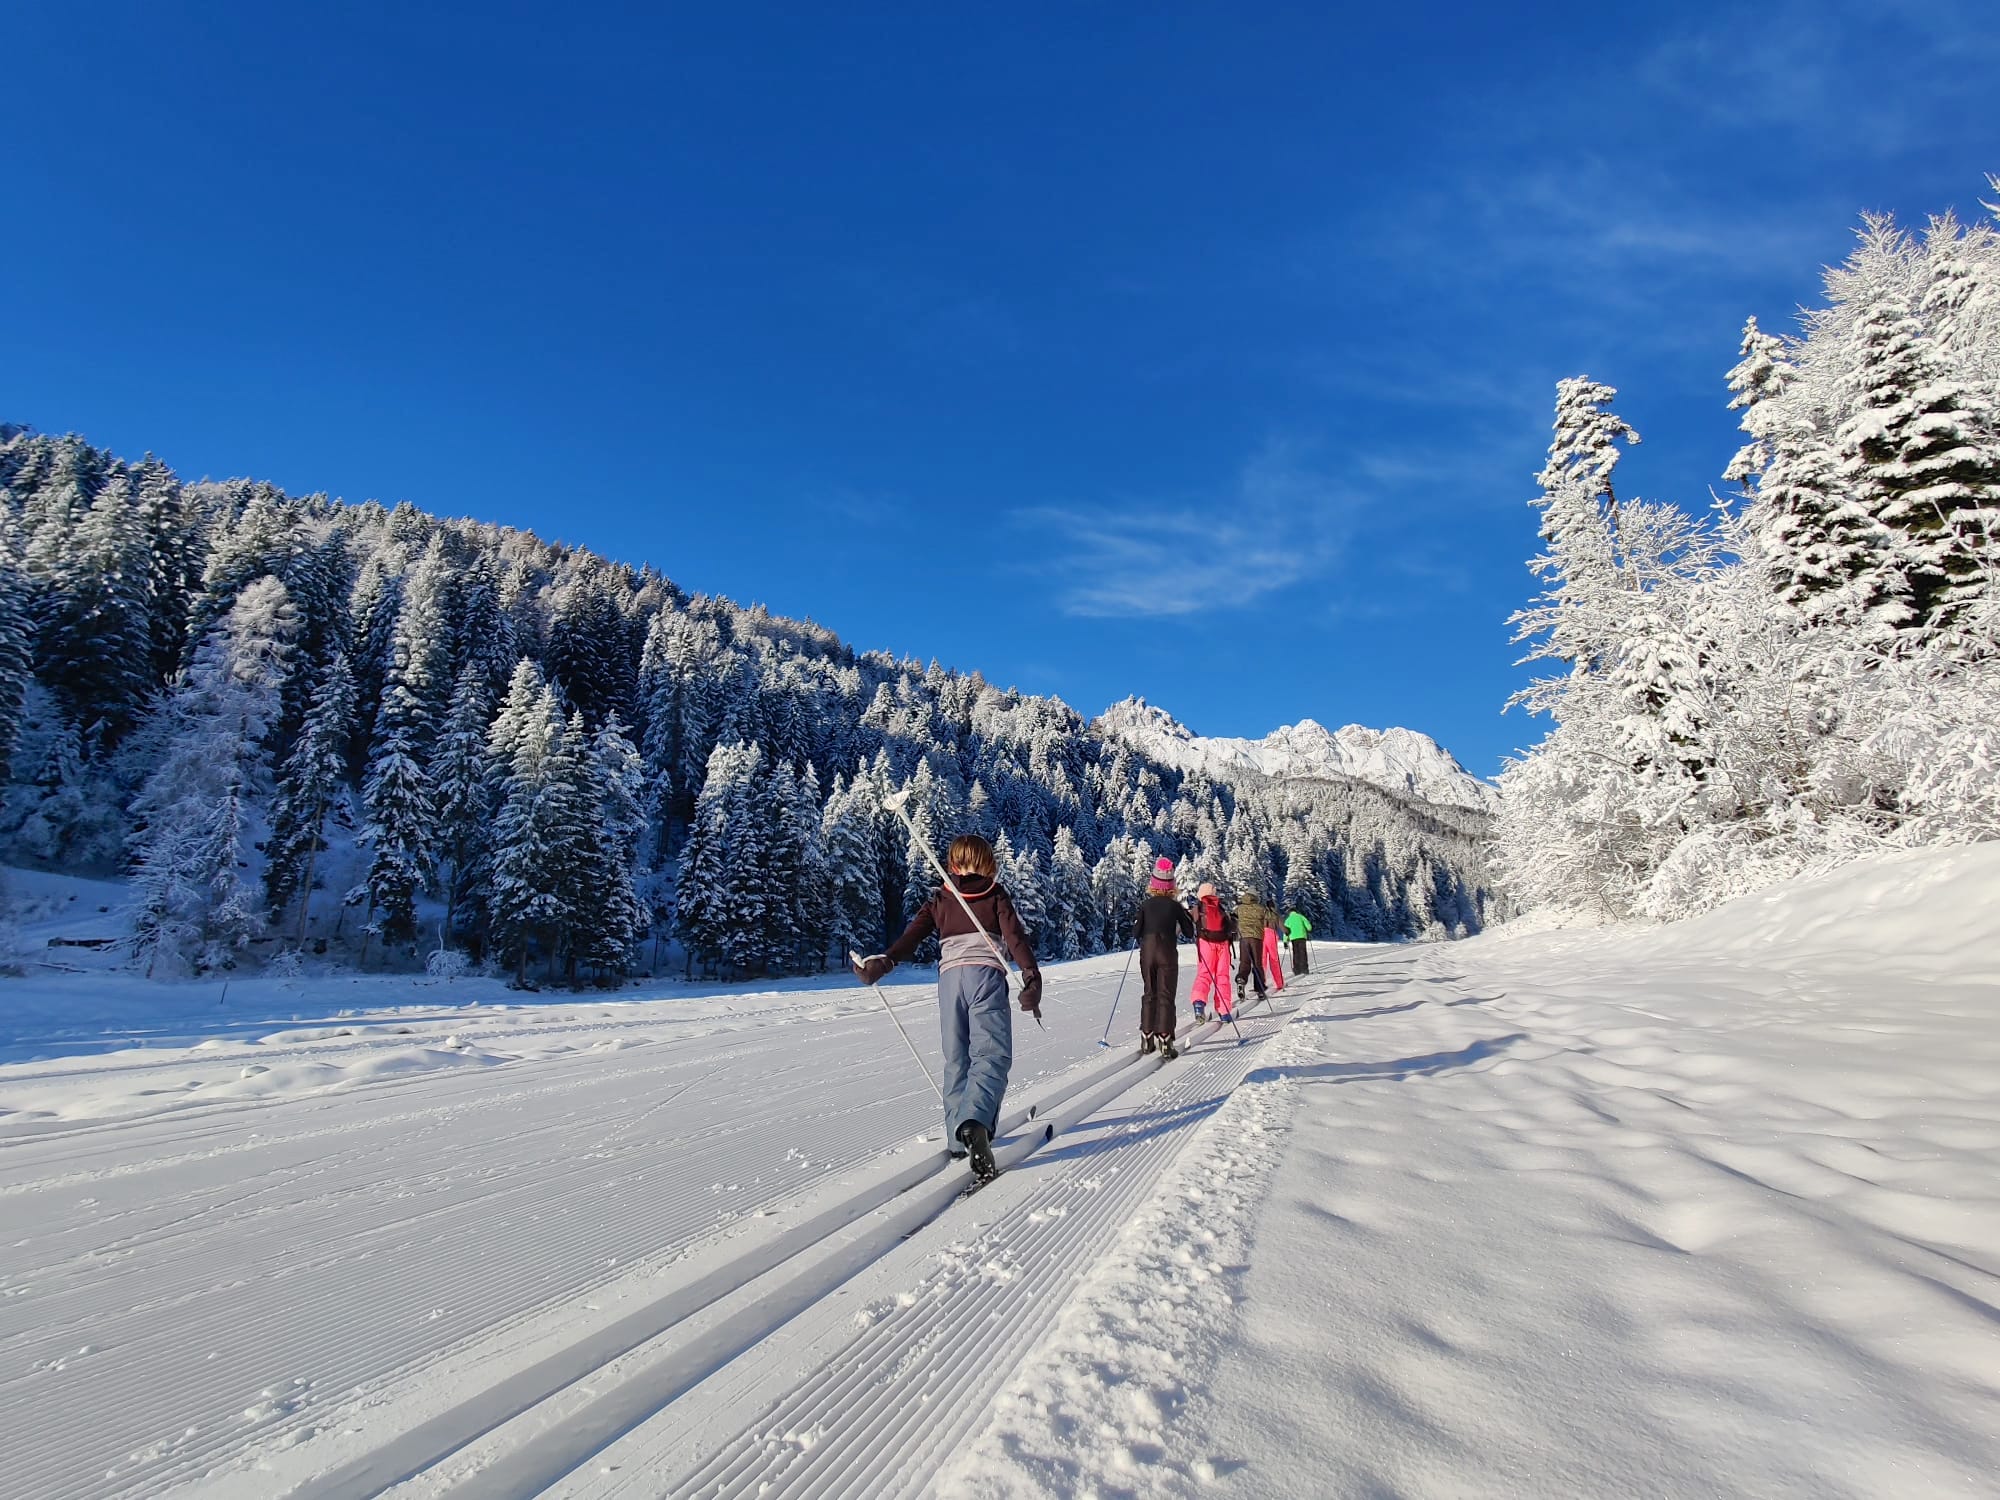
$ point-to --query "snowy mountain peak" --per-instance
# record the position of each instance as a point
(1399, 760)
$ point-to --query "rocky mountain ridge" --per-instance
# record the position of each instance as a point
(1403, 761)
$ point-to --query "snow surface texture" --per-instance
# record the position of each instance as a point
(243, 1266)
(1398, 760)
(1689, 1211)
(1694, 1211)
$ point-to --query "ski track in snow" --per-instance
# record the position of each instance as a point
(897, 1383)
(1684, 1212)
(199, 1284)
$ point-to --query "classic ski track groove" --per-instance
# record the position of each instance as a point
(917, 1381)
(535, 1243)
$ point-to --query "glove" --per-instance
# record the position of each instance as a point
(872, 970)
(1031, 994)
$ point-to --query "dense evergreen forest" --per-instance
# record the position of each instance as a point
(317, 731)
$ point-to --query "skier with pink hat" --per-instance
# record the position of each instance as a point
(1161, 923)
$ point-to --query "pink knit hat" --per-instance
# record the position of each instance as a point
(1163, 877)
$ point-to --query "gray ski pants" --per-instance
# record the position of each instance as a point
(978, 1032)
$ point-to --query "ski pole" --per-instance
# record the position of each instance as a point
(896, 802)
(1105, 1040)
(856, 957)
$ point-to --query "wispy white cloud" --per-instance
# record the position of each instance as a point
(1814, 67)
(1281, 522)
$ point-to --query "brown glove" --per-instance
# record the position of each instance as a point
(1031, 994)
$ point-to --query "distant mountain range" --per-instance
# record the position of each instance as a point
(1399, 760)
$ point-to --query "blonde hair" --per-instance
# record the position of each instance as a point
(971, 855)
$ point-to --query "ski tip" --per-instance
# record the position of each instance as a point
(1048, 1134)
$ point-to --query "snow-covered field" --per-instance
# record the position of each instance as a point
(1691, 1211)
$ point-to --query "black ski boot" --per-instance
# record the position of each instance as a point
(979, 1148)
(1145, 1045)
(1167, 1048)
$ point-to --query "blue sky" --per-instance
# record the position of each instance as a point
(1204, 352)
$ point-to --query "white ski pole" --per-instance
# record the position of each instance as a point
(896, 802)
(856, 957)
(1105, 1040)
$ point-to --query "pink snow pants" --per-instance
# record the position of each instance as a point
(1211, 976)
(1272, 966)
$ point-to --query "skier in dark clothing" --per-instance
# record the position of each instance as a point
(1161, 923)
(972, 993)
(1252, 917)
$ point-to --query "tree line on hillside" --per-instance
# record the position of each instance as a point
(1811, 670)
(301, 724)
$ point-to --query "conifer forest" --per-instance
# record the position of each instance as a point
(313, 731)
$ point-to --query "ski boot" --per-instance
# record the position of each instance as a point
(1200, 1013)
(979, 1149)
(1167, 1048)
(1145, 1044)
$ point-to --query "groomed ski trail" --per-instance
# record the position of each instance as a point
(189, 1297)
(868, 1389)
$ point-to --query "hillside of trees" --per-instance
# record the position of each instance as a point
(1810, 669)
(318, 731)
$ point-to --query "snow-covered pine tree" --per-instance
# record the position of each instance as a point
(606, 917)
(1579, 613)
(187, 854)
(1026, 881)
(95, 641)
(174, 541)
(1920, 455)
(851, 836)
(751, 901)
(701, 909)
(524, 895)
(623, 837)
(461, 773)
(1117, 886)
(1811, 541)
(59, 813)
(15, 655)
(312, 777)
(401, 828)
(1067, 928)
(417, 687)
(811, 894)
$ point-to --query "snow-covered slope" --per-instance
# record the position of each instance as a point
(1400, 760)
(1707, 1209)
(1687, 1211)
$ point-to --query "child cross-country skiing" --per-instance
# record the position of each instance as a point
(1296, 928)
(973, 1018)
(1252, 917)
(1274, 969)
(1161, 923)
(1215, 930)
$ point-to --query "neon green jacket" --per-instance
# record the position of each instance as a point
(1296, 926)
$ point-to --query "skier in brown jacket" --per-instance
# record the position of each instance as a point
(972, 992)
(1252, 917)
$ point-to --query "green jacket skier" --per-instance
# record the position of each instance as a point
(1296, 928)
